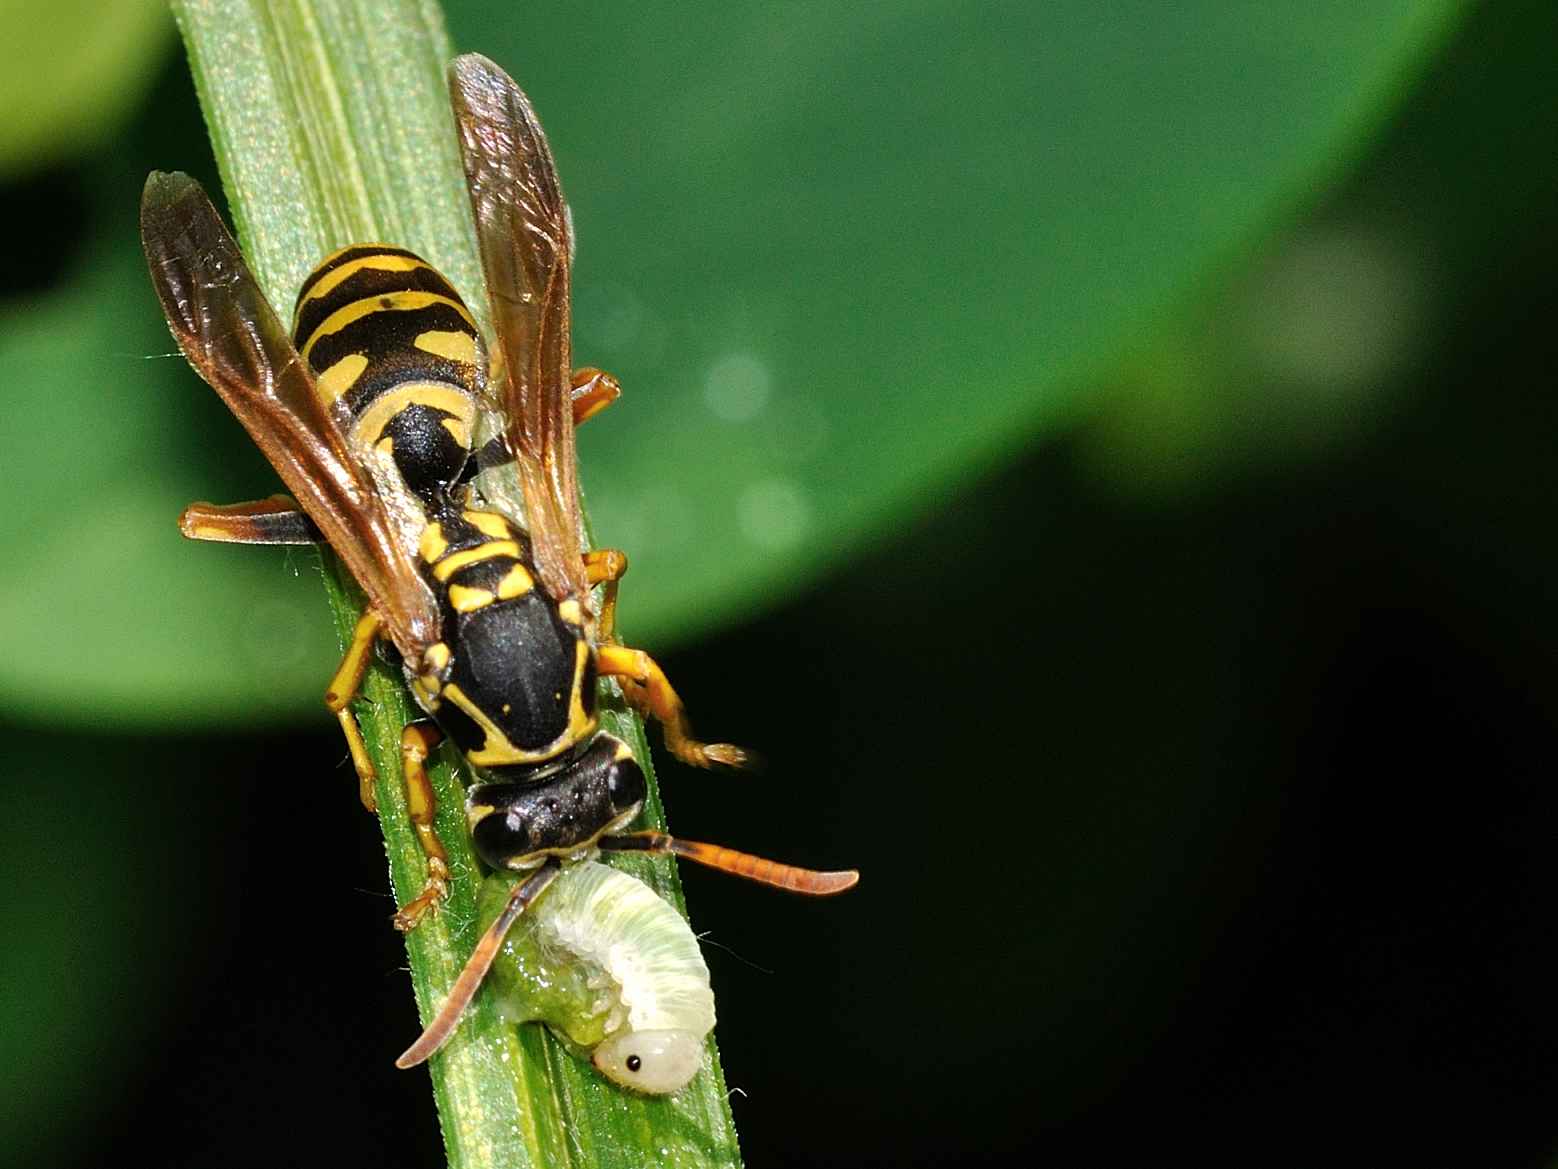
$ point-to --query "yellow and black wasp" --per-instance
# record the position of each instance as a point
(369, 412)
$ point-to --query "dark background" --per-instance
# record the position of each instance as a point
(1215, 818)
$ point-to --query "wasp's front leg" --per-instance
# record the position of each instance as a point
(649, 691)
(417, 742)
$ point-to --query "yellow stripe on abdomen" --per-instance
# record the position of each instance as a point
(340, 377)
(452, 400)
(383, 262)
(460, 347)
(392, 302)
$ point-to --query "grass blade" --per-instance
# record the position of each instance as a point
(330, 122)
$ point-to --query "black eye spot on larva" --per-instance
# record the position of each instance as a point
(634, 1063)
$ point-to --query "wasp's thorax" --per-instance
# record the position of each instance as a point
(512, 682)
(510, 722)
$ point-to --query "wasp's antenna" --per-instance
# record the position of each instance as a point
(738, 864)
(466, 986)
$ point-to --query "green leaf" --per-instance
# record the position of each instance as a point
(70, 71)
(842, 257)
(84, 978)
(155, 623)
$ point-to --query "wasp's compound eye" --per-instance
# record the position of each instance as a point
(657, 1062)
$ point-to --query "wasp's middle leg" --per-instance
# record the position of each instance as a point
(343, 690)
(277, 520)
(606, 566)
(417, 741)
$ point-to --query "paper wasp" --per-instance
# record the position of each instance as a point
(368, 412)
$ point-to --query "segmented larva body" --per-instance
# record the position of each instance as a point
(613, 969)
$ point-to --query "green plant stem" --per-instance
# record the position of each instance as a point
(331, 126)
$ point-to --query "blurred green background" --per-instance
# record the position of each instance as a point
(1098, 454)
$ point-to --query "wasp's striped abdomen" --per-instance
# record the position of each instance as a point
(390, 338)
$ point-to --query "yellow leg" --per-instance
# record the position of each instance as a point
(650, 692)
(593, 390)
(276, 520)
(360, 761)
(417, 742)
(343, 689)
(606, 566)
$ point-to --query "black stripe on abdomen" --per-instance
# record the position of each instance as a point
(387, 338)
(366, 284)
(346, 256)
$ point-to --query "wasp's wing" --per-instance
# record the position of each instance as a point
(233, 338)
(526, 241)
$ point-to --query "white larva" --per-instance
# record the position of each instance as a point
(613, 969)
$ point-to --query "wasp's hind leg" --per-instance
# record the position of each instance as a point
(343, 690)
(417, 742)
(276, 520)
(592, 391)
(649, 692)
